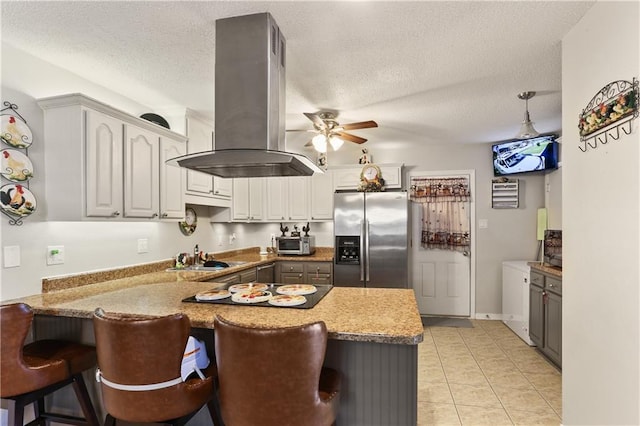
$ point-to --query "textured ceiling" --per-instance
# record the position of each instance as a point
(427, 72)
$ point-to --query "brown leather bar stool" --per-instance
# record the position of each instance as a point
(274, 376)
(139, 361)
(29, 373)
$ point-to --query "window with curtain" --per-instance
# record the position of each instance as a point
(445, 212)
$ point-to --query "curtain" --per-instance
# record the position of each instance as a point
(445, 208)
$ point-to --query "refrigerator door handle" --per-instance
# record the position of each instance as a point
(362, 243)
(366, 246)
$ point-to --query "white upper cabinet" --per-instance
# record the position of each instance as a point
(202, 188)
(172, 180)
(102, 162)
(298, 197)
(141, 173)
(247, 201)
(103, 146)
(321, 196)
(275, 201)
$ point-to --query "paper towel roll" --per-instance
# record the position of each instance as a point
(542, 223)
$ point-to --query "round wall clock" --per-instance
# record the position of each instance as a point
(190, 221)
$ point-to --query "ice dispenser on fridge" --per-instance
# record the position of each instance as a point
(347, 250)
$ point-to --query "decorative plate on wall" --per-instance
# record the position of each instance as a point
(15, 165)
(190, 221)
(15, 132)
(17, 200)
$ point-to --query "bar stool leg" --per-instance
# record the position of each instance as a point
(82, 394)
(16, 413)
(38, 410)
(109, 420)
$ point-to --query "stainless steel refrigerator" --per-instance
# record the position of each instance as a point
(371, 239)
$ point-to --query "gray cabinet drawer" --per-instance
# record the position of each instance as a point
(248, 276)
(288, 267)
(553, 284)
(537, 279)
(319, 268)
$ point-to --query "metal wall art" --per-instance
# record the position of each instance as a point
(16, 200)
(611, 110)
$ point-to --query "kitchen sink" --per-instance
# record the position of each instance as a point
(207, 268)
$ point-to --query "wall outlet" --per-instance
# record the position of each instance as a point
(143, 245)
(55, 255)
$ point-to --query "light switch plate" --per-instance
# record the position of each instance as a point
(483, 223)
(11, 256)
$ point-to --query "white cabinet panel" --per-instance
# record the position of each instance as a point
(104, 165)
(276, 198)
(321, 196)
(298, 197)
(141, 173)
(172, 180)
(247, 201)
(200, 136)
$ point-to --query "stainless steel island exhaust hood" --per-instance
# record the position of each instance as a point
(249, 104)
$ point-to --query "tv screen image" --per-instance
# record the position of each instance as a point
(525, 155)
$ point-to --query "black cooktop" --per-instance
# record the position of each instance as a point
(312, 299)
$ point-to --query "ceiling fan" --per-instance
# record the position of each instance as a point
(329, 130)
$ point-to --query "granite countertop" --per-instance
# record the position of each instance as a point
(381, 315)
(551, 270)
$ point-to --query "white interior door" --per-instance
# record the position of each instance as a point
(441, 278)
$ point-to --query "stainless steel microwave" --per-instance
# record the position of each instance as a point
(296, 246)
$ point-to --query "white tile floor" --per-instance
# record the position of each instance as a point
(485, 375)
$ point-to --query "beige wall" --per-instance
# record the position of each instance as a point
(601, 233)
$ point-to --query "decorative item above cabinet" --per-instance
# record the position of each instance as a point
(348, 177)
(103, 163)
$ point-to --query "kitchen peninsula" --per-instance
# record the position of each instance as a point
(373, 333)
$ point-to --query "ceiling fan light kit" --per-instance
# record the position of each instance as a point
(331, 132)
(527, 130)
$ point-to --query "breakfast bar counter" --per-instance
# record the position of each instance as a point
(381, 315)
(373, 333)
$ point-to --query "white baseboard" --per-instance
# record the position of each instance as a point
(480, 316)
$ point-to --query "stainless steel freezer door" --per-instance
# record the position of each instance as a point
(348, 213)
(386, 244)
(348, 220)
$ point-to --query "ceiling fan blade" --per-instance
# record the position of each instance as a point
(316, 120)
(351, 138)
(359, 125)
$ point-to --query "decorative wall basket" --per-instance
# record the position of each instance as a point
(609, 113)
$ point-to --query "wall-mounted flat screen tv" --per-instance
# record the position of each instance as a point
(525, 155)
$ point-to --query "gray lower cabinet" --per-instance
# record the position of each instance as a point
(536, 315)
(317, 273)
(247, 276)
(545, 315)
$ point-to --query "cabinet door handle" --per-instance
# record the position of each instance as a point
(155, 215)
(165, 214)
(116, 213)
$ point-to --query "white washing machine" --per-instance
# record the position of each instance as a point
(515, 297)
